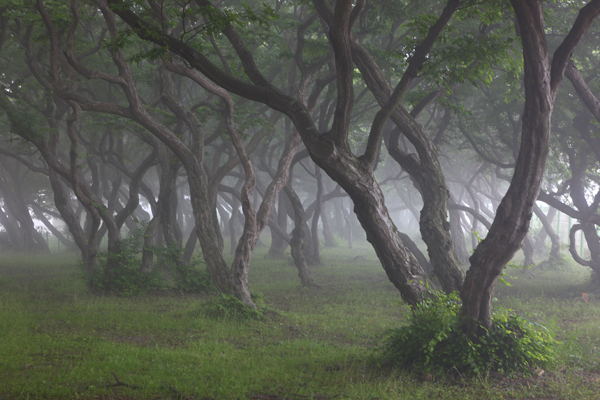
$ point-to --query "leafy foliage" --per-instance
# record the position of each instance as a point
(192, 278)
(125, 276)
(434, 341)
(230, 307)
(215, 21)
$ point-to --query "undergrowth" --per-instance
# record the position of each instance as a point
(58, 341)
(230, 307)
(434, 341)
(127, 278)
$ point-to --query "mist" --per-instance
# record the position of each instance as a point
(180, 149)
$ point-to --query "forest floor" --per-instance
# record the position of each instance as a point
(58, 342)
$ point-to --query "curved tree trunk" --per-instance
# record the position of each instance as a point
(424, 167)
(330, 151)
(542, 79)
(593, 241)
(39, 214)
(297, 240)
(414, 249)
(548, 231)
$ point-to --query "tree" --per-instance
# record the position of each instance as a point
(542, 78)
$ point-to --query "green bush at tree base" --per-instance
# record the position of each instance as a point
(227, 307)
(434, 342)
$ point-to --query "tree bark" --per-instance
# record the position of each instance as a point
(39, 213)
(330, 151)
(315, 219)
(458, 237)
(278, 243)
(297, 240)
(542, 79)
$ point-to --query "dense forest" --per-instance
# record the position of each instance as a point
(448, 134)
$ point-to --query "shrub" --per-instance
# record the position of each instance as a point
(189, 278)
(230, 307)
(192, 278)
(125, 277)
(434, 342)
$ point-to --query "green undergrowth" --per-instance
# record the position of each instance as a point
(168, 273)
(224, 306)
(59, 342)
(434, 341)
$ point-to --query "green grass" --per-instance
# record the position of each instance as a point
(57, 341)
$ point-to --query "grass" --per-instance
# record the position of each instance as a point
(57, 341)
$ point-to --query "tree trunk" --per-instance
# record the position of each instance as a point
(86, 244)
(147, 262)
(190, 246)
(327, 234)
(315, 219)
(528, 251)
(548, 231)
(542, 80)
(593, 241)
(235, 212)
(167, 201)
(16, 207)
(297, 241)
(330, 151)
(39, 213)
(348, 225)
(278, 243)
(458, 237)
(414, 249)
(12, 230)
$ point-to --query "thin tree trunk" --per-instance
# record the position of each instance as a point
(297, 240)
(327, 234)
(315, 219)
(39, 213)
(348, 225)
(548, 231)
(278, 244)
(458, 237)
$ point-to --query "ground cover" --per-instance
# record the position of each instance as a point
(57, 341)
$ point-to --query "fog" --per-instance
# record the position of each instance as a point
(279, 134)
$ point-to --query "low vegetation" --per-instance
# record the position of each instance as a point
(434, 341)
(126, 277)
(57, 341)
